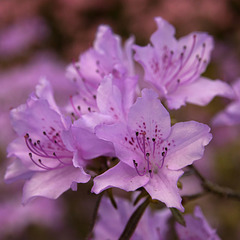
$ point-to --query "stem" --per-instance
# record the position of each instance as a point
(188, 198)
(133, 220)
(94, 216)
(214, 188)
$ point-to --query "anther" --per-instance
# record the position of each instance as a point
(153, 139)
(44, 133)
(137, 133)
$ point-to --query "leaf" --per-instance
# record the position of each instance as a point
(133, 220)
(178, 216)
(110, 195)
(142, 194)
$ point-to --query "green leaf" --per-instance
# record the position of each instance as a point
(142, 194)
(133, 220)
(110, 195)
(178, 216)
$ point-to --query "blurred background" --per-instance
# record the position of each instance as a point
(40, 37)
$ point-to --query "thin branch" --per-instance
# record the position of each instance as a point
(214, 188)
(188, 198)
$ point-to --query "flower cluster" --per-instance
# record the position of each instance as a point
(112, 130)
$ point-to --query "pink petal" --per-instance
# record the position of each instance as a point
(200, 92)
(16, 171)
(109, 99)
(52, 184)
(163, 187)
(147, 113)
(189, 140)
(121, 176)
(164, 36)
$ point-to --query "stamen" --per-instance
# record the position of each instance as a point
(76, 111)
(136, 167)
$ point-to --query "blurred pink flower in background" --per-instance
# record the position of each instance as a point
(19, 37)
(15, 218)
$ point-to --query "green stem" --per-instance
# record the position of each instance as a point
(94, 216)
(133, 220)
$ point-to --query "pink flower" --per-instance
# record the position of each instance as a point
(196, 228)
(174, 67)
(151, 152)
(106, 57)
(15, 217)
(40, 152)
(231, 115)
(154, 225)
(111, 221)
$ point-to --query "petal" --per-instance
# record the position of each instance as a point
(35, 119)
(228, 117)
(44, 91)
(52, 184)
(200, 92)
(163, 187)
(108, 43)
(129, 55)
(149, 59)
(109, 99)
(189, 139)
(164, 35)
(121, 176)
(148, 114)
(203, 46)
(117, 134)
(16, 171)
(18, 148)
(87, 143)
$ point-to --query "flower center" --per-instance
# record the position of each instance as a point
(151, 151)
(176, 68)
(51, 152)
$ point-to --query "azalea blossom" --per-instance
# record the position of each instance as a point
(151, 152)
(153, 225)
(231, 115)
(174, 67)
(40, 153)
(107, 56)
(197, 227)
(111, 221)
(15, 217)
